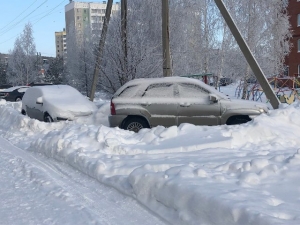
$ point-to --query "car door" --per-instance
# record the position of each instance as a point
(33, 109)
(161, 103)
(195, 106)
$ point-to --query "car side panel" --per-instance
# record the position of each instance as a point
(162, 114)
(199, 113)
(236, 112)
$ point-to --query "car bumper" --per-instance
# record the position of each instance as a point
(116, 120)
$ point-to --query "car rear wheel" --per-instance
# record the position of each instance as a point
(18, 99)
(48, 118)
(135, 124)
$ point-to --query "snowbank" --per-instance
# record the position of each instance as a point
(246, 174)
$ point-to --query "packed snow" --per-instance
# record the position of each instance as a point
(243, 174)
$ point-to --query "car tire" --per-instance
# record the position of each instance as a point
(48, 118)
(238, 120)
(23, 112)
(18, 99)
(135, 124)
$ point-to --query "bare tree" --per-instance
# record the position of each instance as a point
(144, 57)
(22, 67)
(80, 59)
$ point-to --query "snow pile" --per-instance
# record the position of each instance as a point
(246, 174)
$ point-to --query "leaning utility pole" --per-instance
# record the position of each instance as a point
(99, 53)
(167, 70)
(248, 55)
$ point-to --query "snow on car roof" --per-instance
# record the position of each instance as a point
(149, 81)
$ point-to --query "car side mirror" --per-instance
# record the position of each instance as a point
(39, 100)
(213, 98)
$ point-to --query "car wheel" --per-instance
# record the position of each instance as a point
(18, 99)
(135, 124)
(48, 118)
(238, 120)
(23, 112)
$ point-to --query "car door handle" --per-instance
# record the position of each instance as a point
(185, 104)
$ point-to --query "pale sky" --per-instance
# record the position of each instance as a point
(46, 16)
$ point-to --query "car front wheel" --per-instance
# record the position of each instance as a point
(135, 124)
(48, 118)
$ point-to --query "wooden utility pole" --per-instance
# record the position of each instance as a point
(124, 37)
(124, 26)
(99, 53)
(248, 55)
(167, 70)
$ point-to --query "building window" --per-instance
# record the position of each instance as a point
(78, 17)
(298, 71)
(298, 45)
(298, 20)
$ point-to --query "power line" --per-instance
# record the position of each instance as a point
(39, 19)
(35, 19)
(18, 16)
(13, 26)
(50, 11)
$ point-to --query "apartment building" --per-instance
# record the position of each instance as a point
(292, 62)
(61, 43)
(81, 15)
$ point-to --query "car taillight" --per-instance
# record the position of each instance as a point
(112, 108)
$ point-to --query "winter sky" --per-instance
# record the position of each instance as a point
(46, 16)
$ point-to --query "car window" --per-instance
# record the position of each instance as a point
(21, 90)
(161, 90)
(192, 91)
(130, 92)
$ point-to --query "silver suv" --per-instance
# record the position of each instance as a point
(145, 103)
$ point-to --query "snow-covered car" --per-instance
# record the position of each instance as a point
(13, 94)
(145, 103)
(5, 86)
(56, 103)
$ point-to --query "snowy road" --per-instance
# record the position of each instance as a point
(40, 190)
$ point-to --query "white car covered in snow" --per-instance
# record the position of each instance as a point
(56, 103)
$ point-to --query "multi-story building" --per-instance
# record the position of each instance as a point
(82, 15)
(292, 62)
(61, 43)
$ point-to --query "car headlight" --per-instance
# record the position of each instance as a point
(262, 110)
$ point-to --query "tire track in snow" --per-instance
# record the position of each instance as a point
(103, 203)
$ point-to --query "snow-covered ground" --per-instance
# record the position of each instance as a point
(245, 174)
